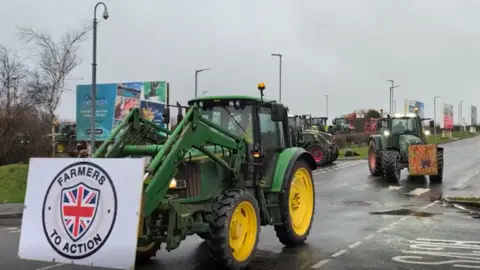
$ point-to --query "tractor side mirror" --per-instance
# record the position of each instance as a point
(278, 112)
(379, 124)
(166, 115)
(432, 123)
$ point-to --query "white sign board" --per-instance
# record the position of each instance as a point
(82, 211)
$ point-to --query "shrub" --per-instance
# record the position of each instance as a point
(350, 138)
(361, 139)
(339, 140)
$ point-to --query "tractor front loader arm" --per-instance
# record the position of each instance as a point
(192, 132)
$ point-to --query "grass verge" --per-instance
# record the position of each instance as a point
(363, 150)
(13, 183)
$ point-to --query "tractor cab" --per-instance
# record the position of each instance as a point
(321, 123)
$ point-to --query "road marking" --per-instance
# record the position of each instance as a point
(50, 266)
(15, 231)
(337, 167)
(320, 264)
(339, 253)
(370, 236)
(11, 228)
(356, 244)
(418, 191)
(446, 249)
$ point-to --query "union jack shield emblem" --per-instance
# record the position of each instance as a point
(78, 206)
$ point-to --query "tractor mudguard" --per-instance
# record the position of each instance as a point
(378, 141)
(286, 162)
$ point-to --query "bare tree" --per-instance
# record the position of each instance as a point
(13, 74)
(55, 61)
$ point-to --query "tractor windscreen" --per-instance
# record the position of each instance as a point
(237, 120)
(291, 122)
(404, 125)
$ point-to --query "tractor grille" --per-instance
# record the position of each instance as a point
(191, 173)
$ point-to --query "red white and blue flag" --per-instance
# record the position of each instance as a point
(79, 206)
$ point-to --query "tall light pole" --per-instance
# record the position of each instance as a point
(326, 105)
(94, 74)
(196, 78)
(461, 113)
(435, 117)
(279, 76)
(391, 95)
(394, 106)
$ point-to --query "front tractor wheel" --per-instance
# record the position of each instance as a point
(374, 160)
(297, 205)
(235, 229)
(390, 160)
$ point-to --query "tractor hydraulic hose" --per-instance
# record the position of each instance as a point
(192, 132)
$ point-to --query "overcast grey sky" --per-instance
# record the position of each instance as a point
(347, 49)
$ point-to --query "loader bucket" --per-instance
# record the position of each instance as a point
(422, 159)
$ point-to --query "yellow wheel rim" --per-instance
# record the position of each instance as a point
(301, 201)
(243, 231)
(60, 148)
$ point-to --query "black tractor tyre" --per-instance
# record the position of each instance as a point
(438, 179)
(331, 130)
(144, 256)
(204, 235)
(389, 165)
(285, 231)
(334, 153)
(321, 149)
(219, 242)
(375, 166)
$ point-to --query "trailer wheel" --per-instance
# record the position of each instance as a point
(297, 205)
(438, 179)
(235, 229)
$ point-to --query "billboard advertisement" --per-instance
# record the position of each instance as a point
(113, 103)
(410, 106)
(447, 116)
(473, 116)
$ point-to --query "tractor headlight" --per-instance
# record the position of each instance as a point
(427, 132)
(231, 104)
(386, 133)
(177, 184)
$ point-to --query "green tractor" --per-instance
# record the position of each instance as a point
(402, 143)
(227, 168)
(308, 136)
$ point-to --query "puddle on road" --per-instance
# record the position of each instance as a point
(405, 212)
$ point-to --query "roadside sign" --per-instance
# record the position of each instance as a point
(82, 211)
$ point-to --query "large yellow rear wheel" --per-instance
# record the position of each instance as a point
(235, 229)
(297, 205)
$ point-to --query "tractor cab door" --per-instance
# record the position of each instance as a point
(273, 138)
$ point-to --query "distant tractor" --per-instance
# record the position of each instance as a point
(402, 143)
(343, 125)
(65, 139)
(306, 134)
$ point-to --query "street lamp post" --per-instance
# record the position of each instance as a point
(394, 106)
(280, 56)
(435, 117)
(196, 79)
(326, 105)
(391, 95)
(94, 74)
(461, 113)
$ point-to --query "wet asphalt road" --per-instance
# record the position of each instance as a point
(345, 234)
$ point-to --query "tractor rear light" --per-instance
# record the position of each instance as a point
(178, 184)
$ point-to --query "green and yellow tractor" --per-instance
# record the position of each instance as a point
(402, 143)
(227, 168)
(306, 134)
(64, 137)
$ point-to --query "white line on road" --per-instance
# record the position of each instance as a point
(50, 266)
(339, 253)
(370, 236)
(15, 231)
(320, 264)
(11, 228)
(356, 244)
